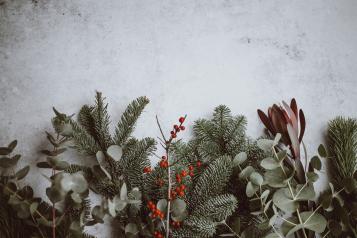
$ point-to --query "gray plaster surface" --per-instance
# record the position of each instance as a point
(186, 56)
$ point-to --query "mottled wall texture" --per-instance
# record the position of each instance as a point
(187, 56)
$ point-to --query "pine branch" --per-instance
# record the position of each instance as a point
(212, 181)
(217, 208)
(101, 121)
(342, 138)
(84, 143)
(128, 120)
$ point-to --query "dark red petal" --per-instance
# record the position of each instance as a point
(266, 121)
(293, 107)
(279, 123)
(302, 125)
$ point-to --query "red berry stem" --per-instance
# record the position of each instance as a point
(165, 163)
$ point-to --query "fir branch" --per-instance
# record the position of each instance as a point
(84, 143)
(217, 208)
(101, 121)
(128, 120)
(212, 181)
(342, 138)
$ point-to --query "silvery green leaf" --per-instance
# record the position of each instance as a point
(315, 162)
(283, 202)
(265, 195)
(98, 214)
(277, 139)
(75, 182)
(273, 219)
(131, 228)
(119, 203)
(275, 178)
(265, 144)
(115, 152)
(267, 205)
(22, 173)
(269, 163)
(272, 235)
(178, 206)
(111, 208)
(55, 195)
(256, 178)
(311, 221)
(162, 205)
(123, 192)
(33, 207)
(250, 189)
(312, 176)
(76, 197)
(240, 158)
(322, 151)
(6, 162)
(282, 155)
(245, 173)
(304, 193)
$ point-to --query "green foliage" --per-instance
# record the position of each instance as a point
(342, 139)
(340, 207)
(23, 215)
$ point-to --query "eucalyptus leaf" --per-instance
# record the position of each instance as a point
(256, 178)
(246, 172)
(178, 206)
(316, 163)
(283, 202)
(269, 163)
(275, 178)
(265, 144)
(7, 162)
(22, 173)
(240, 158)
(250, 189)
(322, 151)
(131, 228)
(162, 205)
(115, 152)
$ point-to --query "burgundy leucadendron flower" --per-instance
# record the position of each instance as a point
(289, 122)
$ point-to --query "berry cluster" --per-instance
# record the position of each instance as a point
(176, 224)
(164, 163)
(178, 128)
(147, 170)
(158, 234)
(155, 213)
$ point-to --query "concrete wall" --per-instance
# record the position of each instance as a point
(187, 56)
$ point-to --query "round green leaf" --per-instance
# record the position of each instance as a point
(283, 202)
(240, 158)
(22, 173)
(256, 178)
(115, 152)
(246, 172)
(269, 163)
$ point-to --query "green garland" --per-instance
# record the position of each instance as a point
(218, 184)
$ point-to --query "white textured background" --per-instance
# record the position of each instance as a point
(187, 56)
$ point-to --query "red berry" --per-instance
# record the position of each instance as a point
(190, 168)
(163, 157)
(147, 169)
(182, 187)
(183, 173)
(182, 128)
(176, 127)
(173, 136)
(191, 174)
(199, 163)
(181, 193)
(172, 132)
(182, 119)
(178, 180)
